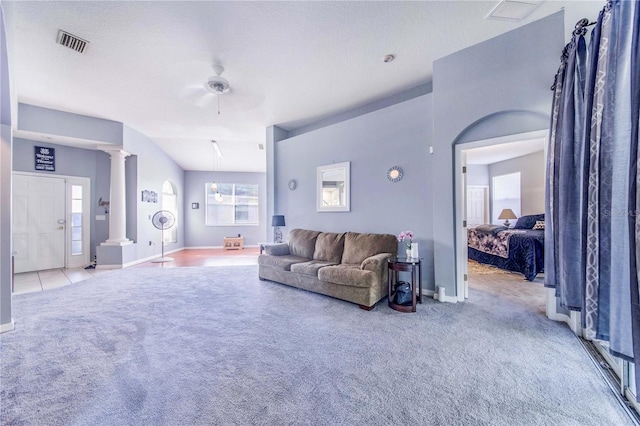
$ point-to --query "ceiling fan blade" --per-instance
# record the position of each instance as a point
(197, 95)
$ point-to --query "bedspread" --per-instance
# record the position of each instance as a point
(520, 250)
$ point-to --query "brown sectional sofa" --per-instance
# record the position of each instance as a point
(350, 266)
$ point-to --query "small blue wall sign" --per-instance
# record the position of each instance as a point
(45, 158)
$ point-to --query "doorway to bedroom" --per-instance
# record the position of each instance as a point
(500, 190)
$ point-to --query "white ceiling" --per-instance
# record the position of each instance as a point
(505, 151)
(288, 63)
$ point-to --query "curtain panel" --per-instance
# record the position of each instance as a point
(592, 236)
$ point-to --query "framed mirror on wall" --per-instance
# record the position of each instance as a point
(334, 188)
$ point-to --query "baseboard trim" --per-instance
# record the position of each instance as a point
(434, 295)
(572, 320)
(217, 247)
(7, 327)
(137, 261)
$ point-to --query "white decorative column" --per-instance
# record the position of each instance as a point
(117, 201)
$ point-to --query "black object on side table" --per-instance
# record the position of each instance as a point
(404, 264)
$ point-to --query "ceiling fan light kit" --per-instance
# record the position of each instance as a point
(217, 84)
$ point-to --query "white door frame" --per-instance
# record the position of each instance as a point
(460, 201)
(69, 260)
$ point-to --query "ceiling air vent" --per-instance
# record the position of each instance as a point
(71, 41)
(513, 10)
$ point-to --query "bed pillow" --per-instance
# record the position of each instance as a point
(528, 221)
(539, 225)
(490, 229)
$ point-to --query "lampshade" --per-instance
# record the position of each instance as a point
(277, 220)
(506, 214)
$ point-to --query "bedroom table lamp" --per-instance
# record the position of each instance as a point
(506, 214)
(277, 221)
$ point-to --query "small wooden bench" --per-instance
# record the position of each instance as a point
(233, 243)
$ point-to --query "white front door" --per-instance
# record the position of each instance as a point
(38, 223)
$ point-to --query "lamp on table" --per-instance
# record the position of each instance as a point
(277, 221)
(507, 214)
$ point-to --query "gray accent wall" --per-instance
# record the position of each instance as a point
(495, 88)
(197, 234)
(532, 177)
(397, 135)
(6, 322)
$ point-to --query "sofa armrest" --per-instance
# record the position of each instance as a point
(377, 263)
(277, 249)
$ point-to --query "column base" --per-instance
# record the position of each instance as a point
(115, 256)
(124, 242)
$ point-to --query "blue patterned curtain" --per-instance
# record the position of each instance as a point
(592, 237)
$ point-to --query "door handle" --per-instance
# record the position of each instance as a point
(60, 227)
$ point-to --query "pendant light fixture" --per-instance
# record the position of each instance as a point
(217, 155)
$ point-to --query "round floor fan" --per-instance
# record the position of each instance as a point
(163, 220)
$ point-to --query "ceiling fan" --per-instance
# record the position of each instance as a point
(208, 94)
(217, 84)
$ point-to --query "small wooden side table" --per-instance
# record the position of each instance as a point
(233, 243)
(404, 264)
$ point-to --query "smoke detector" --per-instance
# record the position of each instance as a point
(217, 84)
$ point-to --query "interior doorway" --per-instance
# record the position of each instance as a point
(481, 156)
(51, 227)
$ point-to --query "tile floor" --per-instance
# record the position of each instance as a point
(29, 282)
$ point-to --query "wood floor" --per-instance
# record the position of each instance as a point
(206, 257)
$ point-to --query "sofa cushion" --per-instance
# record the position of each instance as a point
(302, 242)
(277, 249)
(329, 247)
(310, 268)
(357, 247)
(348, 275)
(280, 262)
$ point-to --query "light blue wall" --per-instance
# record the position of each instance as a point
(152, 167)
(532, 177)
(398, 135)
(495, 88)
(199, 235)
(53, 122)
(478, 174)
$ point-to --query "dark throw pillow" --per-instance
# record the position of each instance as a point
(528, 221)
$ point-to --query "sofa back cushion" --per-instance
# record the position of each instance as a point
(357, 247)
(329, 247)
(302, 242)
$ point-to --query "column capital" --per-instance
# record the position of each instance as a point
(116, 152)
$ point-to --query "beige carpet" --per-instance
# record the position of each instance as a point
(476, 268)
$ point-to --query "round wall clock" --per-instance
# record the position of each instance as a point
(292, 184)
(394, 174)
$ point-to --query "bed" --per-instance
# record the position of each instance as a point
(518, 249)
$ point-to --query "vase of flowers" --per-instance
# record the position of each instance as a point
(407, 238)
